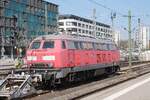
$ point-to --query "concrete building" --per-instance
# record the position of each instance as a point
(144, 37)
(25, 19)
(117, 37)
(73, 24)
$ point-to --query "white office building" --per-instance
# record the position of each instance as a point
(117, 37)
(71, 24)
(144, 37)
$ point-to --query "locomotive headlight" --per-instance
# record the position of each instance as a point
(31, 58)
(48, 57)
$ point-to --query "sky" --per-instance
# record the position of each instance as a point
(84, 8)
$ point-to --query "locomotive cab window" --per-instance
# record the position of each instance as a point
(48, 44)
(35, 45)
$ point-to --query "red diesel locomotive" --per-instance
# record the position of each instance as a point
(62, 57)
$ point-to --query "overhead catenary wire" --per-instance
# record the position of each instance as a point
(105, 7)
(117, 12)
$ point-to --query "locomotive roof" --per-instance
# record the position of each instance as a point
(75, 38)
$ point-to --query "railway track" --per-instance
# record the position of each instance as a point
(125, 63)
(82, 89)
(74, 91)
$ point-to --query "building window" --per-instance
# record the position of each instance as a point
(61, 29)
(74, 23)
(79, 24)
(74, 29)
(86, 31)
(90, 32)
(87, 26)
(90, 27)
(83, 25)
(83, 31)
(69, 23)
(79, 30)
(97, 34)
(61, 23)
(101, 30)
(71, 29)
(68, 29)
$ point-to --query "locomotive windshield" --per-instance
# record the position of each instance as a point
(35, 45)
(48, 44)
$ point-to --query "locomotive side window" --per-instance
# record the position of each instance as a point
(108, 46)
(70, 45)
(104, 47)
(81, 45)
(63, 45)
(48, 44)
(76, 44)
(85, 45)
(96, 46)
(99, 46)
(90, 46)
(93, 45)
(35, 45)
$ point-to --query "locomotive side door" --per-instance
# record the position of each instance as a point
(71, 53)
(71, 57)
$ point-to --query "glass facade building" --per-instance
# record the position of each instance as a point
(23, 20)
(28, 18)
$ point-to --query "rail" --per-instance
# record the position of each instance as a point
(15, 85)
(82, 89)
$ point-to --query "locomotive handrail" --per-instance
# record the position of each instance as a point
(71, 37)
